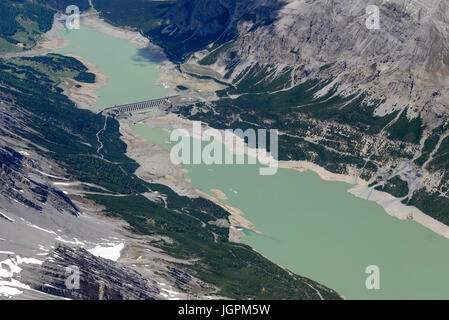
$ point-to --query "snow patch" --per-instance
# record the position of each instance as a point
(64, 183)
(51, 176)
(8, 268)
(4, 216)
(76, 242)
(111, 251)
(7, 252)
(42, 229)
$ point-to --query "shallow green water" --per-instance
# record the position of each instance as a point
(312, 227)
(130, 71)
(156, 135)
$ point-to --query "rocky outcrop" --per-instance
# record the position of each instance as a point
(99, 279)
(34, 192)
(403, 63)
(382, 105)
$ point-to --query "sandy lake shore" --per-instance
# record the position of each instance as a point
(360, 189)
(155, 167)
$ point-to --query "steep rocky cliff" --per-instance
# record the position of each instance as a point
(93, 278)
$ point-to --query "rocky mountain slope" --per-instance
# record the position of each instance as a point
(404, 64)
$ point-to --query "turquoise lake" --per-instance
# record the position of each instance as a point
(131, 71)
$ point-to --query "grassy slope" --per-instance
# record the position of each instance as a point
(21, 24)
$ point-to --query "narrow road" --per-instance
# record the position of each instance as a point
(98, 136)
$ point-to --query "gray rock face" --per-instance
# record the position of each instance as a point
(99, 279)
(403, 63)
(31, 192)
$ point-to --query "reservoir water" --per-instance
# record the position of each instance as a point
(130, 71)
(312, 227)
